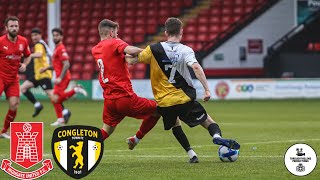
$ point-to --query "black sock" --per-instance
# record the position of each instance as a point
(62, 106)
(214, 129)
(181, 137)
(30, 96)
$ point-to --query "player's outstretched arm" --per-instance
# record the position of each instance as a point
(132, 50)
(202, 78)
(36, 55)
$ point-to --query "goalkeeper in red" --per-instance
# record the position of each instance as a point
(119, 99)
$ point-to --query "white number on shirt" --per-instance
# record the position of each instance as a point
(101, 66)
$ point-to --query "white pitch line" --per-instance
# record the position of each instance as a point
(179, 156)
(157, 156)
(197, 146)
(200, 146)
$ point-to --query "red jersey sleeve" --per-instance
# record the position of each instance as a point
(120, 45)
(63, 54)
(26, 51)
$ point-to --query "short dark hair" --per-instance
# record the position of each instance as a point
(11, 18)
(106, 23)
(36, 30)
(58, 30)
(173, 26)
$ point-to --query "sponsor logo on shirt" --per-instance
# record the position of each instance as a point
(13, 57)
(21, 47)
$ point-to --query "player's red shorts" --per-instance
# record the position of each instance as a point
(11, 88)
(61, 87)
(133, 106)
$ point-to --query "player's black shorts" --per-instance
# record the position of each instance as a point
(192, 113)
(45, 83)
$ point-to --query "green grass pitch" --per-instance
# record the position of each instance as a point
(264, 128)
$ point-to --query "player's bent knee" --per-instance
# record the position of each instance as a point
(13, 105)
(23, 90)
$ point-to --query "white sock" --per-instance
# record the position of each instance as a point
(61, 120)
(37, 104)
(136, 139)
(217, 135)
(77, 89)
(65, 111)
(191, 153)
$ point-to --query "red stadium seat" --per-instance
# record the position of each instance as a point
(214, 20)
(82, 31)
(214, 28)
(75, 76)
(228, 3)
(212, 36)
(139, 30)
(81, 40)
(227, 11)
(238, 10)
(203, 28)
(151, 29)
(86, 76)
(139, 74)
(152, 21)
(175, 12)
(140, 67)
(238, 2)
(187, 3)
(76, 67)
(250, 2)
(215, 11)
(77, 58)
(89, 58)
(139, 38)
(93, 39)
(190, 38)
(203, 20)
(88, 67)
(128, 39)
(152, 14)
(190, 28)
(202, 37)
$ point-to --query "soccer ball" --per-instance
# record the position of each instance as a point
(27, 127)
(228, 155)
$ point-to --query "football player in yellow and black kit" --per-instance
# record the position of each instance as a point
(40, 58)
(173, 89)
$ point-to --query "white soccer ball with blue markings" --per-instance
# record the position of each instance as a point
(228, 155)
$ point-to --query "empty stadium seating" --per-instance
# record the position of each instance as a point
(137, 18)
(217, 18)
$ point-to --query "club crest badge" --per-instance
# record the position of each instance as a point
(77, 149)
(26, 150)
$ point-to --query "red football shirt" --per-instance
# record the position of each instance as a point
(114, 74)
(10, 56)
(59, 55)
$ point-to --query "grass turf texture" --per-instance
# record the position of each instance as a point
(265, 130)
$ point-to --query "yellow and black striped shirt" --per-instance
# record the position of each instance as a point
(170, 77)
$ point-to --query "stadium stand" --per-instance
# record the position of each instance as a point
(141, 23)
(137, 19)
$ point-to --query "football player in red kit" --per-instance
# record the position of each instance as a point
(119, 98)
(12, 48)
(61, 65)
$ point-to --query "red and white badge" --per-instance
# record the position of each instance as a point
(26, 150)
